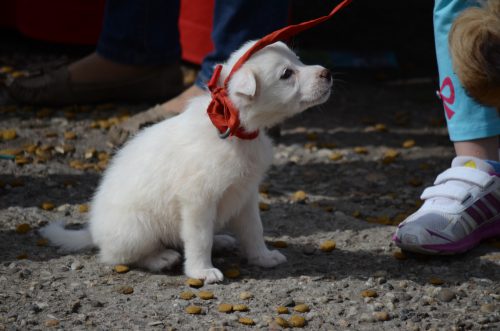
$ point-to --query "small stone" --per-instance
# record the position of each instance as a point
(64, 149)
(23, 228)
(299, 196)
(356, 213)
(279, 244)
(42, 242)
(21, 160)
(336, 156)
(90, 153)
(360, 150)
(187, 295)
(155, 323)
(193, 282)
(240, 307)
(399, 255)
(246, 321)
(121, 268)
(96, 304)
(365, 317)
(76, 265)
(264, 206)
(446, 295)
(282, 310)
(75, 306)
(232, 273)
(246, 295)
(76, 164)
(48, 206)
(369, 294)
(327, 245)
(212, 328)
(288, 302)
(126, 290)
(196, 310)
(408, 143)
(69, 135)
(344, 323)
(50, 323)
(83, 208)
(225, 308)
(302, 308)
(308, 250)
(9, 134)
(488, 308)
(436, 281)
(30, 148)
(297, 321)
(103, 156)
(205, 295)
(389, 156)
(281, 322)
(381, 316)
(380, 127)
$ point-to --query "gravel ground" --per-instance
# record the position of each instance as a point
(357, 182)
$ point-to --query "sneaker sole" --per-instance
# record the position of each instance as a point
(485, 231)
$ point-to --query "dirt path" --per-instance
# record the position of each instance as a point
(354, 196)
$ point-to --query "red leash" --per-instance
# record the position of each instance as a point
(221, 110)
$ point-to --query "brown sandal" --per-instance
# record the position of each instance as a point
(54, 88)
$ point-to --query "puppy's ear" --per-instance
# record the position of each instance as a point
(243, 83)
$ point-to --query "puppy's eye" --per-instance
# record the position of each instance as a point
(287, 74)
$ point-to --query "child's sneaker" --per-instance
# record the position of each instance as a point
(460, 210)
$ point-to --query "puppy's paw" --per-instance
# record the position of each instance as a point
(165, 259)
(223, 242)
(209, 275)
(268, 259)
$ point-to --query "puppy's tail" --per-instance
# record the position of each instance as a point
(67, 240)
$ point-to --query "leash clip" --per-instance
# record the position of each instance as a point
(225, 134)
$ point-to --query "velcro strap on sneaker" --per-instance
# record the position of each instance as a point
(465, 174)
(447, 190)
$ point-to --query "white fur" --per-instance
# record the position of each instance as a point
(176, 184)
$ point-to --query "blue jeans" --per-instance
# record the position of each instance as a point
(145, 32)
(467, 119)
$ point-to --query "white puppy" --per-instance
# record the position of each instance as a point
(176, 184)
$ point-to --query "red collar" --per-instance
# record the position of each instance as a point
(221, 111)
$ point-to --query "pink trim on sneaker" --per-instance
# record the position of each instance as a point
(485, 231)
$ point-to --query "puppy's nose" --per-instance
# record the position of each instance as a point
(326, 74)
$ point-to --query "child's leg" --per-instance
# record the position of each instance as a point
(486, 149)
(463, 206)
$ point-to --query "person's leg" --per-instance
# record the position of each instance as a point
(138, 46)
(239, 21)
(463, 206)
(235, 22)
(136, 35)
(486, 149)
